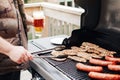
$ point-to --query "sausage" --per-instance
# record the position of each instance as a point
(88, 68)
(100, 62)
(104, 76)
(114, 67)
(109, 58)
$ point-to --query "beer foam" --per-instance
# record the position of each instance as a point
(38, 15)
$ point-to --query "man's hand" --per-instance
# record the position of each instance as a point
(29, 19)
(19, 54)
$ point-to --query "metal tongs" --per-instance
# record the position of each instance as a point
(46, 51)
(58, 48)
(60, 56)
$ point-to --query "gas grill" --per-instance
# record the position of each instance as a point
(100, 25)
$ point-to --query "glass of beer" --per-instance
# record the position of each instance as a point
(39, 22)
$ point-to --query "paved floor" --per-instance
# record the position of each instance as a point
(25, 75)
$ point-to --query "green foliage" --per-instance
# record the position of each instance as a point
(32, 1)
(26, 1)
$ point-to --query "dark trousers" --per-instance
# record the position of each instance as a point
(11, 76)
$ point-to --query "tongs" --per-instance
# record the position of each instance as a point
(50, 56)
(58, 48)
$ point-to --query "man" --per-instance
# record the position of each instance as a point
(13, 35)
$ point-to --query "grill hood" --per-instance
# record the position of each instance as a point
(100, 24)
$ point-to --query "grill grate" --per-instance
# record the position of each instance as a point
(69, 69)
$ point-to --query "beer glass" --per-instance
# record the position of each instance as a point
(39, 22)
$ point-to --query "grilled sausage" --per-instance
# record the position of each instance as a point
(100, 62)
(104, 76)
(114, 67)
(88, 68)
(109, 58)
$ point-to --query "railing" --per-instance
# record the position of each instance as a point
(59, 19)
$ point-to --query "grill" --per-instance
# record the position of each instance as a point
(100, 25)
(68, 68)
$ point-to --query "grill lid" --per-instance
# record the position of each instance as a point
(100, 24)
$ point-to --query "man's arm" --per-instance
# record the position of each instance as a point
(16, 53)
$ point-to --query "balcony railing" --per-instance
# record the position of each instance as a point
(58, 19)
